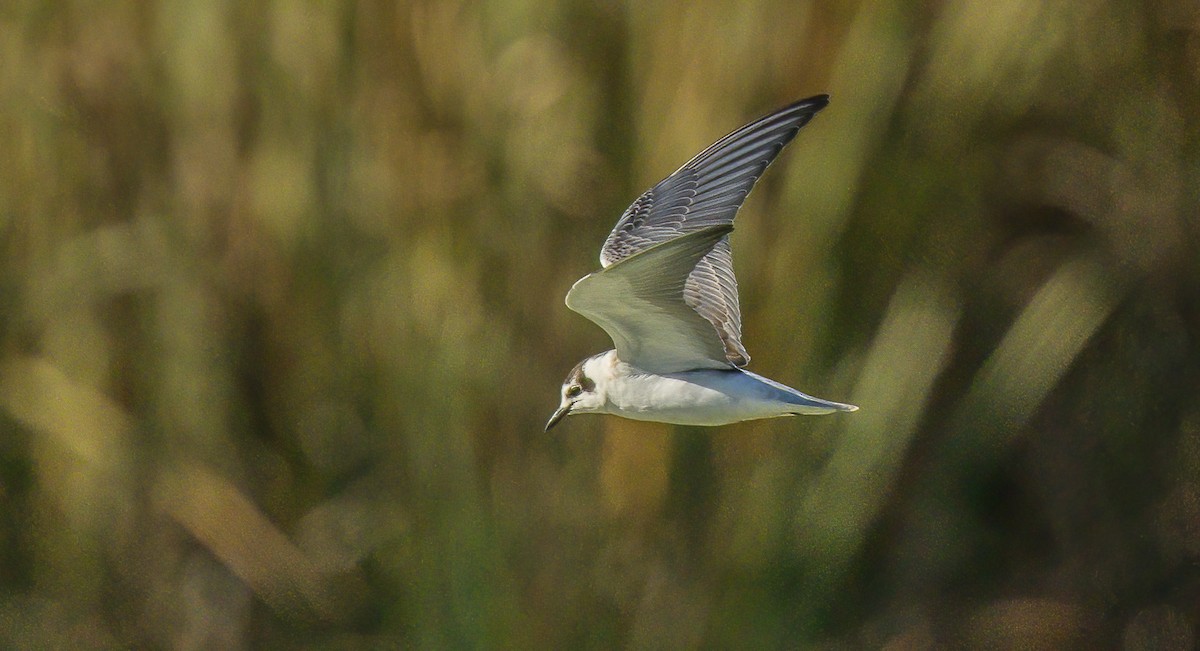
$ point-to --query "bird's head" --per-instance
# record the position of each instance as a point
(582, 391)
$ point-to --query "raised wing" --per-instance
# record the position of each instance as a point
(707, 191)
(640, 302)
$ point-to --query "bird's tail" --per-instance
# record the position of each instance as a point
(808, 405)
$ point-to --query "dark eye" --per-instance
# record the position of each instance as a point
(574, 390)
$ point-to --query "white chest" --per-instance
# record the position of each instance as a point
(694, 398)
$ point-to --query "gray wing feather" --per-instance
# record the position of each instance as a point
(711, 290)
(707, 191)
(641, 302)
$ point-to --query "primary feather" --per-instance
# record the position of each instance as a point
(705, 192)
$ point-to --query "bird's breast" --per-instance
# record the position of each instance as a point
(693, 397)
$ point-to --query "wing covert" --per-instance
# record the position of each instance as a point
(707, 191)
(641, 303)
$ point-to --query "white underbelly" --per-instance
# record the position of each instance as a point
(710, 398)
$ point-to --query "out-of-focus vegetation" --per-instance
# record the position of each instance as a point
(281, 320)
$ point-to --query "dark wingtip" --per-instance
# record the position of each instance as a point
(814, 103)
(802, 110)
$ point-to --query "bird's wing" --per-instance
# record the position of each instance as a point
(707, 191)
(641, 302)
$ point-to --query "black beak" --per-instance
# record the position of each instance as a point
(558, 415)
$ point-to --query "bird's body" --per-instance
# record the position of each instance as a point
(699, 397)
(667, 296)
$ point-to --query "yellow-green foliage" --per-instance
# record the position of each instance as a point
(281, 320)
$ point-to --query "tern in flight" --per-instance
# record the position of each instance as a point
(667, 296)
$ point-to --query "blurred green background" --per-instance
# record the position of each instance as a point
(281, 320)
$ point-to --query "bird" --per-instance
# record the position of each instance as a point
(667, 296)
